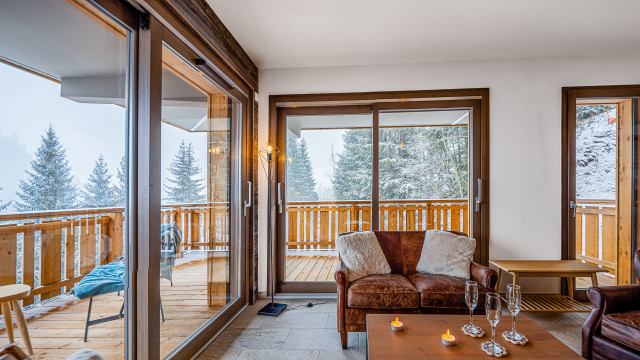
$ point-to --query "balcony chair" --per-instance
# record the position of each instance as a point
(109, 278)
(612, 330)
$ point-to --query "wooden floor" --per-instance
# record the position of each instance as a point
(311, 268)
(603, 280)
(57, 328)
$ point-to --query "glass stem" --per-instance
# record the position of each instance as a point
(513, 324)
(471, 316)
(493, 340)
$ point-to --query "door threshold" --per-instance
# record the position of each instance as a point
(302, 296)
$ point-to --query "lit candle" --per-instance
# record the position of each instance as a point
(396, 325)
(448, 339)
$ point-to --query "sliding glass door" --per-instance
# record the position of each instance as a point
(327, 191)
(394, 166)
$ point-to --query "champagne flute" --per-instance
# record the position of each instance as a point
(471, 298)
(493, 307)
(514, 303)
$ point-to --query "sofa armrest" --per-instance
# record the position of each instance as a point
(484, 276)
(607, 300)
(342, 280)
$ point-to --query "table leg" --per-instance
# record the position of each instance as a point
(22, 325)
(8, 322)
(570, 286)
(594, 279)
(516, 278)
(498, 280)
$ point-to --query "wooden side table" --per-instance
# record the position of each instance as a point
(9, 296)
(547, 268)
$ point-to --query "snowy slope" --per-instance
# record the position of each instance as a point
(596, 157)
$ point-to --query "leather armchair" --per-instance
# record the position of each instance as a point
(612, 330)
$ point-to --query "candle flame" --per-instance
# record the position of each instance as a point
(396, 318)
(447, 332)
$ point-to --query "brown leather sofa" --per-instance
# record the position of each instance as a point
(404, 291)
(612, 330)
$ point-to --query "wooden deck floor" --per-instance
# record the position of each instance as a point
(311, 268)
(57, 328)
(603, 280)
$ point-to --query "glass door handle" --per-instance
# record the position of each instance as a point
(574, 206)
(479, 197)
(248, 202)
(280, 198)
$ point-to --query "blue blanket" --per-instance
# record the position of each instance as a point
(101, 280)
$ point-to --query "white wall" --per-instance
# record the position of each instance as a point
(525, 120)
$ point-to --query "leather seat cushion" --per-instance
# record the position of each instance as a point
(623, 328)
(389, 291)
(443, 291)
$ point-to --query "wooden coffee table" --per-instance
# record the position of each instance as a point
(421, 338)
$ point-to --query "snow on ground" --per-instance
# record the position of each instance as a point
(596, 157)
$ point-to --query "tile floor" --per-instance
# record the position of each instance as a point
(310, 333)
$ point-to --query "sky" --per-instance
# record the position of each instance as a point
(29, 103)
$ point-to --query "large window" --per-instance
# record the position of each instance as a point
(64, 179)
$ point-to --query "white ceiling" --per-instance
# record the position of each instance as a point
(313, 33)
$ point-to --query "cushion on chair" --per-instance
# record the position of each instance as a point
(390, 291)
(443, 291)
(446, 253)
(623, 328)
(362, 254)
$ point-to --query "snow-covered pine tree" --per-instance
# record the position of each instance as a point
(49, 184)
(4, 206)
(98, 191)
(351, 178)
(186, 188)
(301, 186)
(120, 188)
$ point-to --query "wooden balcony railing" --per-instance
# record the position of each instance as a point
(598, 218)
(315, 225)
(53, 250)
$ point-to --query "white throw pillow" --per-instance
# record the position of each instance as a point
(362, 254)
(446, 253)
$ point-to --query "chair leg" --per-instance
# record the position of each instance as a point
(86, 329)
(161, 311)
(8, 321)
(22, 325)
(344, 336)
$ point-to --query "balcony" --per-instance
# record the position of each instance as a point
(51, 251)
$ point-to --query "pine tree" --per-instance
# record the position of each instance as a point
(301, 186)
(351, 178)
(186, 188)
(5, 205)
(120, 189)
(98, 192)
(415, 163)
(49, 186)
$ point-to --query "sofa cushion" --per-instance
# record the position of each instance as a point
(391, 291)
(623, 328)
(362, 254)
(446, 253)
(391, 244)
(443, 291)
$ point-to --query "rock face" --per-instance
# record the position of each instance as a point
(596, 156)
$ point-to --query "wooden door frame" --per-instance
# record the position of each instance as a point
(373, 102)
(568, 129)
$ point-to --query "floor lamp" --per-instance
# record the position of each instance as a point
(268, 156)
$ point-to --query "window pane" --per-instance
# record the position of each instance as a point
(63, 110)
(198, 263)
(424, 170)
(328, 189)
